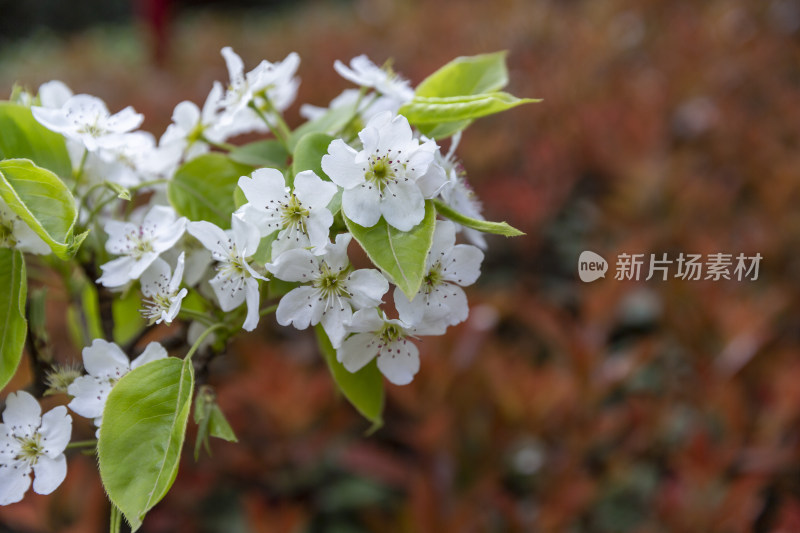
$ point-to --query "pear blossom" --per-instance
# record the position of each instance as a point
(271, 86)
(448, 267)
(139, 244)
(86, 119)
(191, 127)
(331, 289)
(32, 442)
(105, 363)
(54, 94)
(375, 335)
(160, 287)
(365, 73)
(368, 105)
(389, 177)
(15, 233)
(301, 216)
(236, 281)
(134, 161)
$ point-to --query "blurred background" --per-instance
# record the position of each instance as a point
(667, 126)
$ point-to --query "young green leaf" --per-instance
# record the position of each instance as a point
(363, 389)
(399, 254)
(13, 326)
(144, 426)
(498, 228)
(210, 421)
(435, 110)
(43, 202)
(202, 189)
(308, 156)
(331, 122)
(269, 153)
(467, 75)
(21, 136)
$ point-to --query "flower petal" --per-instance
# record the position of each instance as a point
(357, 350)
(252, 297)
(463, 264)
(367, 287)
(56, 430)
(399, 362)
(312, 191)
(297, 306)
(340, 165)
(14, 482)
(362, 205)
(105, 359)
(89, 396)
(403, 205)
(49, 473)
(22, 414)
(152, 352)
(295, 265)
(264, 186)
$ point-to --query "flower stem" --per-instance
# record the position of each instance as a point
(195, 315)
(79, 173)
(281, 132)
(82, 444)
(267, 310)
(201, 338)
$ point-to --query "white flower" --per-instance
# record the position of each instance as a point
(236, 281)
(384, 338)
(130, 163)
(160, 286)
(364, 72)
(191, 128)
(369, 105)
(86, 119)
(389, 176)
(272, 86)
(449, 266)
(106, 363)
(15, 233)
(32, 442)
(332, 290)
(301, 216)
(458, 194)
(54, 94)
(139, 244)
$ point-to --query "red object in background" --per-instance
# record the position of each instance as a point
(156, 15)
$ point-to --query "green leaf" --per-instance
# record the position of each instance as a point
(210, 420)
(308, 156)
(144, 425)
(21, 136)
(444, 129)
(202, 188)
(331, 122)
(43, 202)
(435, 110)
(399, 254)
(467, 75)
(363, 389)
(269, 153)
(13, 326)
(498, 228)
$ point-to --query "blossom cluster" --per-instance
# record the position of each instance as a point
(290, 226)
